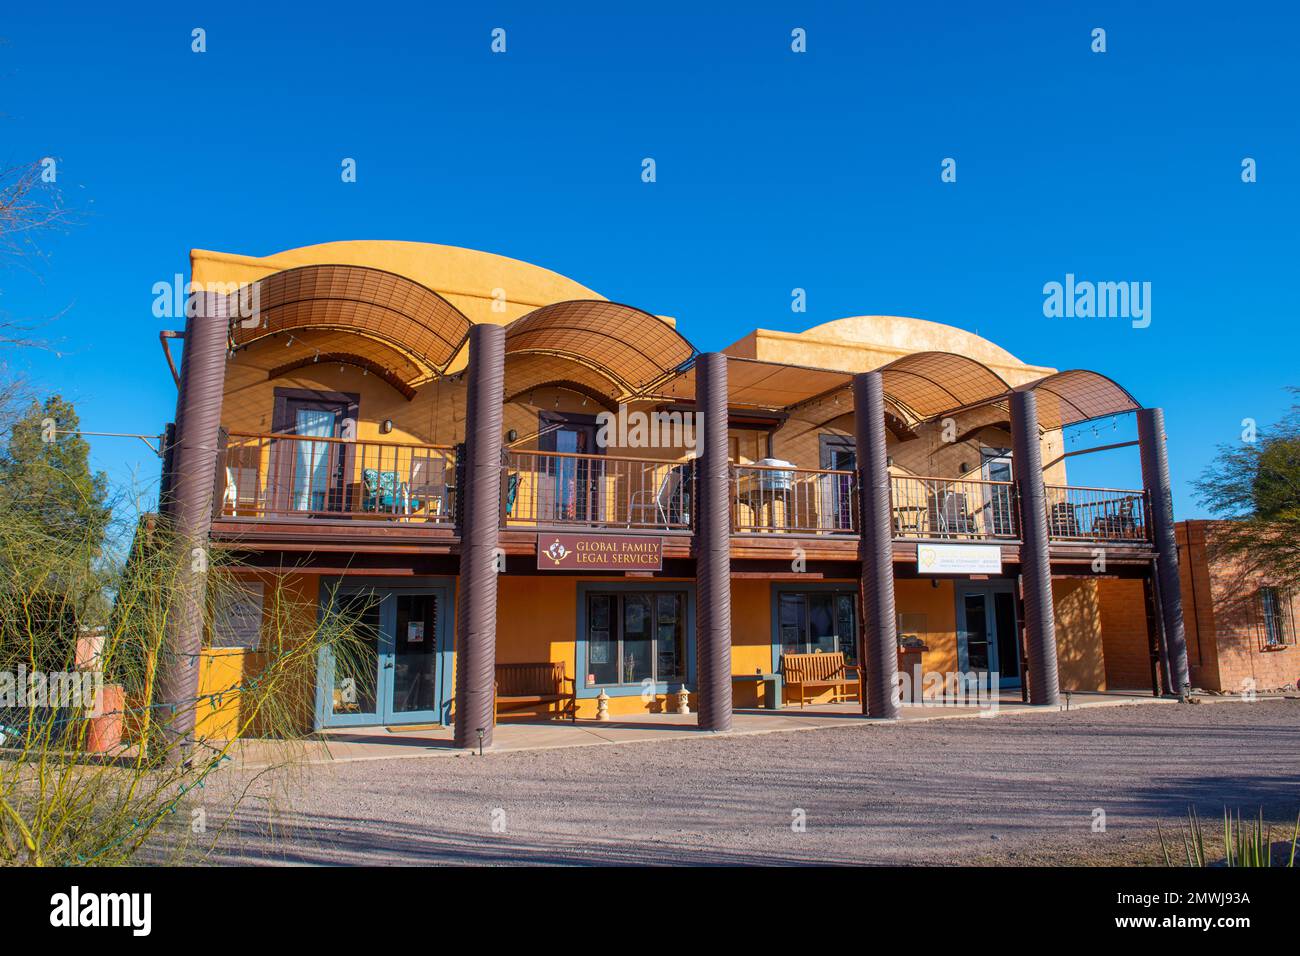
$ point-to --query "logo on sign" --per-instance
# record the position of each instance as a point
(599, 552)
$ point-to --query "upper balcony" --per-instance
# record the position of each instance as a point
(281, 478)
(338, 358)
(292, 478)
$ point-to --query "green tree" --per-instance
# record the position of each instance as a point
(46, 481)
(1256, 484)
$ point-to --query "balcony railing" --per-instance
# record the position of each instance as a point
(960, 509)
(558, 489)
(294, 476)
(1096, 514)
(768, 499)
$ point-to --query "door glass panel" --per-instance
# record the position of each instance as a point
(573, 476)
(845, 627)
(356, 663)
(1004, 618)
(414, 653)
(821, 623)
(669, 633)
(602, 641)
(977, 637)
(791, 616)
(311, 467)
(638, 638)
(996, 466)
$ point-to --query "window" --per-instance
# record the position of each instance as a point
(633, 636)
(1279, 624)
(811, 621)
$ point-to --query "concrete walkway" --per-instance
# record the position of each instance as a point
(380, 743)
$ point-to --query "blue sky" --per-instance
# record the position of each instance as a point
(775, 170)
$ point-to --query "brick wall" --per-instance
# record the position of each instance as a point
(1223, 619)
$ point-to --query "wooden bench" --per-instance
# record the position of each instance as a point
(818, 672)
(526, 685)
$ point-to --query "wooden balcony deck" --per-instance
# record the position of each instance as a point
(294, 493)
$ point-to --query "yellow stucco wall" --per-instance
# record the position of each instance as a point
(289, 615)
(1079, 657)
(865, 342)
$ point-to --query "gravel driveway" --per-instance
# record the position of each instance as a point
(1010, 790)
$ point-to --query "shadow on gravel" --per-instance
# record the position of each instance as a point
(332, 841)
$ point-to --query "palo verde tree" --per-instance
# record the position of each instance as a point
(1256, 484)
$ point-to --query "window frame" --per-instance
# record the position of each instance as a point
(589, 589)
(835, 589)
(1276, 623)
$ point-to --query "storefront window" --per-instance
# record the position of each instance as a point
(636, 636)
(812, 621)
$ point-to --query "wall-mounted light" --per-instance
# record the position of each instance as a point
(387, 426)
(512, 436)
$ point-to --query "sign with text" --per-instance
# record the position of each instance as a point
(598, 552)
(958, 559)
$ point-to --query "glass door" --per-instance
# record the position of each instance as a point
(395, 670)
(575, 480)
(837, 453)
(309, 472)
(976, 654)
(988, 633)
(349, 671)
(413, 691)
(995, 465)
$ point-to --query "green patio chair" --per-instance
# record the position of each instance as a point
(383, 492)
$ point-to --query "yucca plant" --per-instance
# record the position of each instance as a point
(1245, 842)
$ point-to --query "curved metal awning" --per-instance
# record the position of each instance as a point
(753, 383)
(398, 314)
(1078, 395)
(627, 346)
(928, 384)
(528, 371)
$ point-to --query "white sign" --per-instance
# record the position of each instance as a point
(959, 559)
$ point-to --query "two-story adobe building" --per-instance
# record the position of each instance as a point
(493, 464)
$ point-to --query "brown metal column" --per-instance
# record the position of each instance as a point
(476, 595)
(1155, 477)
(189, 506)
(713, 546)
(1035, 557)
(876, 551)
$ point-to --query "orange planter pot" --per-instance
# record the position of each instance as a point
(105, 731)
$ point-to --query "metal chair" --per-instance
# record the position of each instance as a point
(661, 501)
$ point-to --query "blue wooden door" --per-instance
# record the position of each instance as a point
(397, 668)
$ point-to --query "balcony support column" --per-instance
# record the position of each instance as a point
(713, 545)
(879, 655)
(476, 594)
(1169, 591)
(1035, 555)
(188, 510)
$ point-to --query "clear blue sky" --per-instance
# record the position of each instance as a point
(775, 170)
